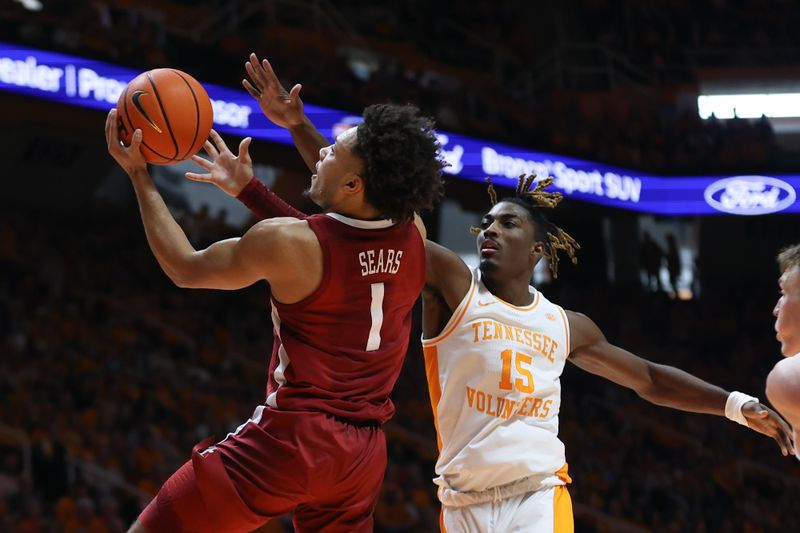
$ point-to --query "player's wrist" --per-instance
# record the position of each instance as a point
(250, 190)
(298, 123)
(733, 406)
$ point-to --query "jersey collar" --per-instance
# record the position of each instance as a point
(363, 224)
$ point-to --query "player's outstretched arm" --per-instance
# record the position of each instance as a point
(229, 264)
(284, 108)
(667, 385)
(261, 254)
(447, 281)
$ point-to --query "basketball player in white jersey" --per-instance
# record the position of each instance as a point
(783, 383)
(495, 348)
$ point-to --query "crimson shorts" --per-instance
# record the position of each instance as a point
(324, 469)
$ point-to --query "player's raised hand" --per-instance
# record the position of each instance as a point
(229, 172)
(764, 420)
(130, 158)
(282, 107)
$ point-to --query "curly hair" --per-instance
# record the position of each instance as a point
(402, 162)
(532, 200)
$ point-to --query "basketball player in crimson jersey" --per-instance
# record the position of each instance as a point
(343, 286)
(495, 348)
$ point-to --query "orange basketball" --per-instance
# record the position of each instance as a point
(173, 111)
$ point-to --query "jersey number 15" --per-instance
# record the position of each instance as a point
(522, 362)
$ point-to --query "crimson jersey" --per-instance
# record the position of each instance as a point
(340, 350)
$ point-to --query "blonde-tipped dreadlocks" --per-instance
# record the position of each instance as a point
(558, 239)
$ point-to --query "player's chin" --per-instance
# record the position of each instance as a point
(487, 265)
(789, 350)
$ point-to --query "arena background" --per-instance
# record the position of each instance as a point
(109, 374)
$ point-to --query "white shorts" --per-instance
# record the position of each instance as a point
(547, 510)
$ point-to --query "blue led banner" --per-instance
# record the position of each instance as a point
(82, 82)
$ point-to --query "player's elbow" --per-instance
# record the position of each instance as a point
(183, 283)
(185, 276)
(182, 279)
(649, 387)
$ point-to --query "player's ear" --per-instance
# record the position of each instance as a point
(353, 183)
(537, 248)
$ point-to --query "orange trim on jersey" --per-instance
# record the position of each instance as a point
(454, 324)
(563, 520)
(525, 308)
(441, 520)
(431, 355)
(566, 327)
(563, 473)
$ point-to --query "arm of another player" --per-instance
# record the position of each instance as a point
(229, 264)
(284, 108)
(447, 280)
(663, 385)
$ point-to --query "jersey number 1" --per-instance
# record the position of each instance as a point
(376, 315)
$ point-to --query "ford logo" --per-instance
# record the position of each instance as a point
(750, 195)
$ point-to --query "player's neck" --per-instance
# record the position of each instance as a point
(361, 211)
(513, 290)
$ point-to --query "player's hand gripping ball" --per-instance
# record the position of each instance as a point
(173, 111)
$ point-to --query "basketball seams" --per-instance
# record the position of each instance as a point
(197, 114)
(166, 94)
(163, 114)
(133, 127)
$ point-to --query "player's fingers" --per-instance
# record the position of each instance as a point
(244, 146)
(251, 73)
(109, 121)
(780, 436)
(294, 94)
(262, 78)
(219, 144)
(210, 149)
(202, 161)
(255, 93)
(136, 140)
(206, 178)
(269, 74)
(783, 443)
(786, 435)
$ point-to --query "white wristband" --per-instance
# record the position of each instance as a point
(733, 407)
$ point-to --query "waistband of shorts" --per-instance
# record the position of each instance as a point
(454, 498)
(355, 422)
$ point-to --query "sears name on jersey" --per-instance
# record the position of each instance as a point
(380, 261)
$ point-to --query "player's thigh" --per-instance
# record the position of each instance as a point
(543, 511)
(178, 506)
(475, 518)
(192, 503)
(345, 500)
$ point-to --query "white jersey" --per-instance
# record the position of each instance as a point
(494, 378)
